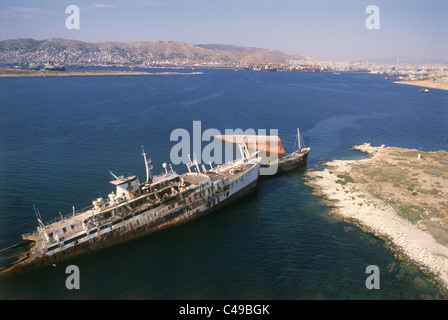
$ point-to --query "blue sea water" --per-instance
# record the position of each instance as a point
(60, 136)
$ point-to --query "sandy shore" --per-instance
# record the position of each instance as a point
(429, 83)
(10, 73)
(398, 194)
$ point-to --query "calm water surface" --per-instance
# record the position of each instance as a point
(59, 137)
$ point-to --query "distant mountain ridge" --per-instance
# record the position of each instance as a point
(142, 53)
(167, 54)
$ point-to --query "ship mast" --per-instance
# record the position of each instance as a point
(300, 143)
(148, 167)
(38, 216)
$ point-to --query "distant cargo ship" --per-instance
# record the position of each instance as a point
(50, 67)
(33, 66)
(137, 209)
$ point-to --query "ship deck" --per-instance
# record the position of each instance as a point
(195, 178)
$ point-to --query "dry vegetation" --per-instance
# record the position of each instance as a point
(398, 194)
(417, 188)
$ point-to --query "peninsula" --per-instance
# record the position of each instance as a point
(400, 195)
(7, 72)
(437, 80)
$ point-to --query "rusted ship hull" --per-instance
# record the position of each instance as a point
(270, 145)
(292, 161)
(298, 160)
(181, 209)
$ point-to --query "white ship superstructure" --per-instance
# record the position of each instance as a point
(136, 209)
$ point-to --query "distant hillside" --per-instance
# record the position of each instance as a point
(153, 53)
(249, 55)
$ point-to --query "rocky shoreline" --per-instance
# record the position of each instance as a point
(397, 194)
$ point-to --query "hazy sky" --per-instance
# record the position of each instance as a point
(332, 29)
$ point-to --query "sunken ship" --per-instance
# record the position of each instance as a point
(270, 147)
(137, 209)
